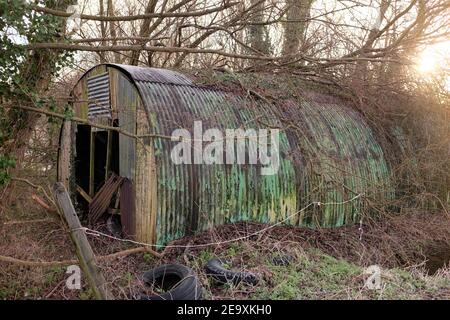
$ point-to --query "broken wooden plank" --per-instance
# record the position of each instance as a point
(84, 251)
(42, 203)
(84, 194)
(102, 198)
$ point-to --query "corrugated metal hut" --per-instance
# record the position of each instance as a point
(327, 153)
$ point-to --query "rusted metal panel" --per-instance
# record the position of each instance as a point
(342, 159)
(156, 75)
(80, 92)
(126, 109)
(127, 208)
(327, 154)
(332, 157)
(196, 197)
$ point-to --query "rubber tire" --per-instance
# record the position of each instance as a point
(188, 287)
(215, 269)
(283, 260)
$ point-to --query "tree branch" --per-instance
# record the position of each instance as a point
(109, 257)
(64, 14)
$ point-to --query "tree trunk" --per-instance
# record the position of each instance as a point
(144, 31)
(257, 33)
(112, 30)
(103, 30)
(361, 73)
(393, 70)
(297, 13)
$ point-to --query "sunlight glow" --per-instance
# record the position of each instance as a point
(434, 58)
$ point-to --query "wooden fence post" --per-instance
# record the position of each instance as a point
(84, 251)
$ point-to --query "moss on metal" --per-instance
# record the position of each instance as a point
(328, 153)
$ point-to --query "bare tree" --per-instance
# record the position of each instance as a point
(258, 37)
(103, 29)
(297, 14)
(144, 30)
(113, 30)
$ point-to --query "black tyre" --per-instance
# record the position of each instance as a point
(215, 269)
(176, 281)
(283, 260)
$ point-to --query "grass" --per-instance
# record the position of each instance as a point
(148, 258)
(312, 274)
(316, 275)
(53, 275)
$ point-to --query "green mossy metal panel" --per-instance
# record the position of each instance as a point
(327, 153)
(196, 197)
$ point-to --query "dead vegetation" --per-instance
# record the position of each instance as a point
(329, 263)
(373, 73)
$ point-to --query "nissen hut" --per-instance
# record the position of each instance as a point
(119, 159)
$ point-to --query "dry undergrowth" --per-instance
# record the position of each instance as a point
(400, 241)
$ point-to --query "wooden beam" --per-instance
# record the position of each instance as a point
(84, 251)
(92, 164)
(101, 201)
(108, 154)
(65, 153)
(84, 194)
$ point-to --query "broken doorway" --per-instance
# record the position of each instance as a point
(96, 159)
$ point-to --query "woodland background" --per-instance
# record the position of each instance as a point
(390, 57)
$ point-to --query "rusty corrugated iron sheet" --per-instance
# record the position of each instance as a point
(327, 153)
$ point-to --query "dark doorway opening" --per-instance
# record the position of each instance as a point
(96, 157)
(100, 161)
(82, 158)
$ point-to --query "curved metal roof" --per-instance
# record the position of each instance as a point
(155, 75)
(328, 153)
